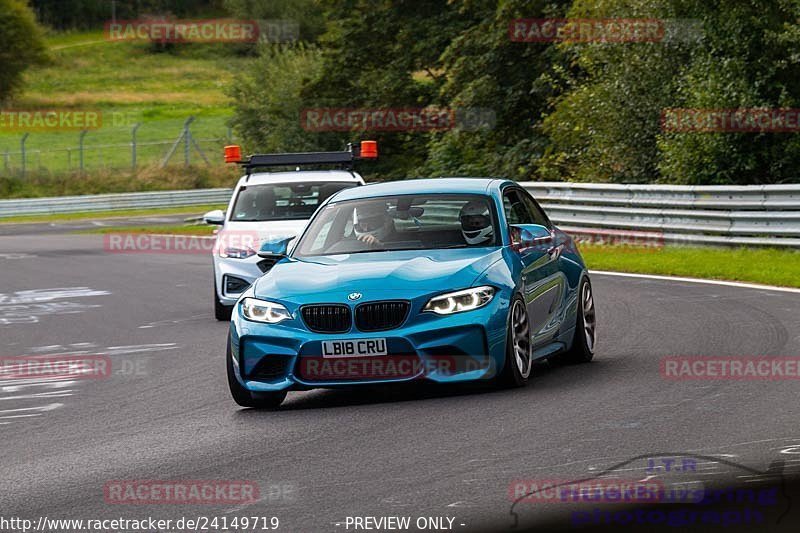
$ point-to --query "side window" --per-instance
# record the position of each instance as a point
(535, 209)
(516, 211)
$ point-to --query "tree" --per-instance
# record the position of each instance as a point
(88, 14)
(512, 81)
(307, 14)
(607, 125)
(385, 54)
(21, 44)
(268, 103)
(374, 55)
(749, 59)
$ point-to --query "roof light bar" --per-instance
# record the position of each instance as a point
(367, 150)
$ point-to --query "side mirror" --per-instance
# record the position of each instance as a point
(275, 247)
(527, 236)
(216, 217)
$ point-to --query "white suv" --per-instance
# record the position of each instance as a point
(265, 206)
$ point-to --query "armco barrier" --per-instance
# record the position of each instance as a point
(112, 202)
(757, 215)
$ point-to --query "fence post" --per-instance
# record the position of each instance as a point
(22, 151)
(187, 140)
(80, 148)
(133, 145)
(174, 147)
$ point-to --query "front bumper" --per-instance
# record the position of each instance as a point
(467, 346)
(246, 270)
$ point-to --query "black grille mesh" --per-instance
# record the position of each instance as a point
(380, 316)
(327, 318)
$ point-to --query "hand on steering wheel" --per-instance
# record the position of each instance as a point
(370, 239)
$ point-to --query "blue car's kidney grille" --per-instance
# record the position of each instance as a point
(380, 316)
(327, 318)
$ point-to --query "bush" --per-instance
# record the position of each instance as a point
(21, 44)
(268, 100)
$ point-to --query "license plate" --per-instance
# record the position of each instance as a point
(354, 348)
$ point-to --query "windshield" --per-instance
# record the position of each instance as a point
(282, 201)
(408, 222)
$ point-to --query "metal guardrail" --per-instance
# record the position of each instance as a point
(762, 215)
(112, 202)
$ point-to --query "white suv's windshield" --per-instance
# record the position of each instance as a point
(282, 201)
(408, 222)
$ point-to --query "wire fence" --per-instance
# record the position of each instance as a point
(86, 151)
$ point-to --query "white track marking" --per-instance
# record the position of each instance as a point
(26, 307)
(697, 280)
(48, 295)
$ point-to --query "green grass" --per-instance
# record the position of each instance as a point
(125, 213)
(186, 229)
(102, 181)
(129, 84)
(767, 266)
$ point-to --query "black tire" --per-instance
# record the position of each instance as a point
(514, 373)
(221, 312)
(245, 398)
(583, 342)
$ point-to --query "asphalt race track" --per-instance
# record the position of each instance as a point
(164, 412)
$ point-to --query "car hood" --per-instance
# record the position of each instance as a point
(375, 274)
(269, 229)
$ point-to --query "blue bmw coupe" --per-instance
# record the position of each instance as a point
(447, 280)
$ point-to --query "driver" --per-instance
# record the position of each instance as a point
(476, 223)
(372, 223)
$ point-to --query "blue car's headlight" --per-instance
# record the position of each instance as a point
(459, 301)
(262, 311)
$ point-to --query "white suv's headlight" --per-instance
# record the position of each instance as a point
(262, 311)
(459, 301)
(236, 253)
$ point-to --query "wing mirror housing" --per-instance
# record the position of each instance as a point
(525, 237)
(216, 217)
(276, 247)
